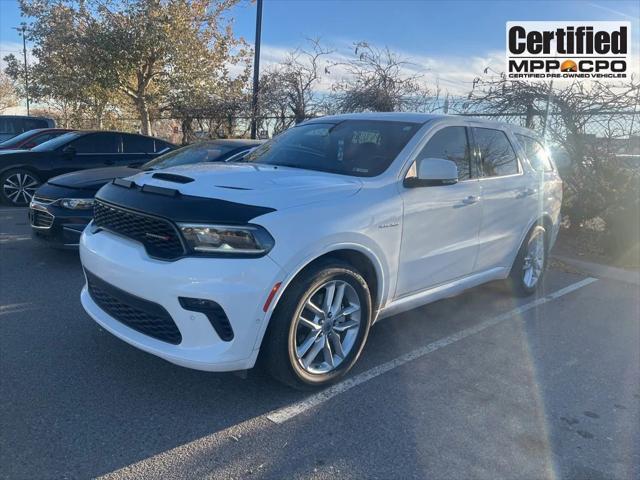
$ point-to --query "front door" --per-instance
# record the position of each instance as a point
(441, 223)
(94, 150)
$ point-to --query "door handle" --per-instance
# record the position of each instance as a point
(527, 192)
(470, 200)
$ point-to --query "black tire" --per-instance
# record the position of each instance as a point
(17, 186)
(278, 354)
(517, 276)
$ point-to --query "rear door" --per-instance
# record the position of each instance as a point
(441, 223)
(506, 198)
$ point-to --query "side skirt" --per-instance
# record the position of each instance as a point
(439, 292)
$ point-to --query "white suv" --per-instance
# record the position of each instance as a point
(295, 252)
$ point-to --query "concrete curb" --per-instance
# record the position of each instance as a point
(602, 271)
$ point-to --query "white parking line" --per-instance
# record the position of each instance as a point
(13, 210)
(287, 413)
(8, 238)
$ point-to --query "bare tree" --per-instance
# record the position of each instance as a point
(274, 106)
(376, 80)
(591, 122)
(8, 94)
(572, 106)
(289, 90)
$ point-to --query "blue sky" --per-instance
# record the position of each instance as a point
(418, 26)
(464, 36)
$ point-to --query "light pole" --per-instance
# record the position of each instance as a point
(23, 28)
(256, 72)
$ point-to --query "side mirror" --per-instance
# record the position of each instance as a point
(69, 151)
(433, 172)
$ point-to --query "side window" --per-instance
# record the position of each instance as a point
(8, 125)
(450, 143)
(536, 153)
(496, 153)
(102, 142)
(137, 144)
(33, 123)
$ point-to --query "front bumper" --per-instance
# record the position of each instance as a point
(239, 286)
(58, 227)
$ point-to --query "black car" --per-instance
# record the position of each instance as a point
(63, 206)
(22, 171)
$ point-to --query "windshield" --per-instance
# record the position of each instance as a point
(17, 140)
(57, 142)
(362, 148)
(198, 153)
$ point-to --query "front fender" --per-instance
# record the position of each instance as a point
(357, 242)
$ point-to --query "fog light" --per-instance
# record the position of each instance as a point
(214, 313)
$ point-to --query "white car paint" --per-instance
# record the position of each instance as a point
(423, 243)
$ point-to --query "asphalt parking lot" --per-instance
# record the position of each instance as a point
(478, 386)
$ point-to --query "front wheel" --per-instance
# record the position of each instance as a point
(320, 326)
(531, 262)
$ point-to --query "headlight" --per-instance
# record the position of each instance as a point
(76, 203)
(227, 239)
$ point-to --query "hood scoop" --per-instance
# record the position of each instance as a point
(172, 177)
(233, 188)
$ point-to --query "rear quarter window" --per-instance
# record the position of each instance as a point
(137, 144)
(161, 146)
(536, 153)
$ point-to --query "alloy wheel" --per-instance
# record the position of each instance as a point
(534, 260)
(20, 187)
(327, 326)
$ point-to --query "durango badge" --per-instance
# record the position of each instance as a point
(568, 50)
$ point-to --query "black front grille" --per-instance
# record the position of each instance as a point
(158, 235)
(142, 315)
(41, 219)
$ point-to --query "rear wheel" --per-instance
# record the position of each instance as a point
(17, 187)
(531, 262)
(320, 326)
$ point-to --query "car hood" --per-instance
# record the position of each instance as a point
(261, 185)
(93, 178)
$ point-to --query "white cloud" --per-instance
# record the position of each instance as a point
(15, 48)
(453, 74)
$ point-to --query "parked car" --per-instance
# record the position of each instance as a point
(330, 226)
(22, 171)
(62, 207)
(32, 138)
(12, 125)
